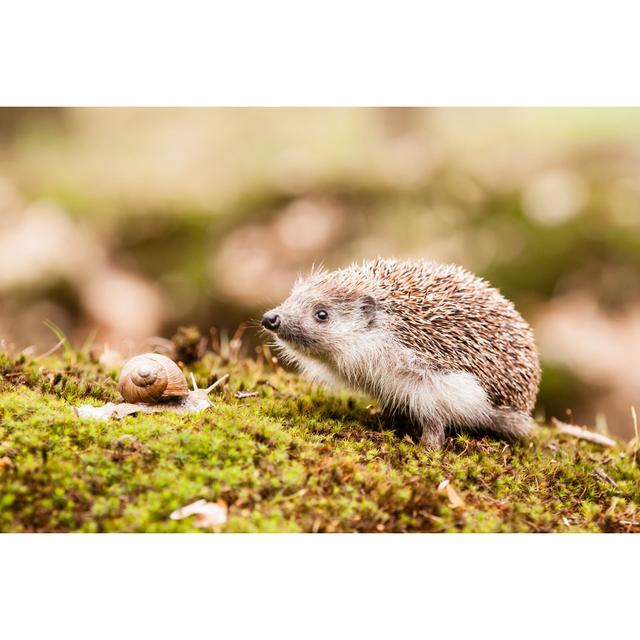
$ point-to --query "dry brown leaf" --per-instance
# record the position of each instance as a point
(208, 514)
(582, 433)
(6, 461)
(455, 501)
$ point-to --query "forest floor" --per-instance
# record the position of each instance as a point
(277, 454)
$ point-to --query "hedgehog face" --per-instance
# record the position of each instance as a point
(320, 325)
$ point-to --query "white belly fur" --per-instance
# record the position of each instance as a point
(453, 398)
(450, 399)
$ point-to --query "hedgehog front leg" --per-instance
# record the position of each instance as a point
(433, 435)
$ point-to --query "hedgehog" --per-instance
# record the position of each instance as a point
(433, 343)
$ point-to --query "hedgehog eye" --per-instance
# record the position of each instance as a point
(321, 315)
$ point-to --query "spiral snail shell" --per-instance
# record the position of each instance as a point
(150, 378)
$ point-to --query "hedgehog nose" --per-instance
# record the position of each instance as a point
(271, 321)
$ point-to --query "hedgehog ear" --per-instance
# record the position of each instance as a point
(368, 305)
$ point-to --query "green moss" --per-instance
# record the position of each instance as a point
(294, 458)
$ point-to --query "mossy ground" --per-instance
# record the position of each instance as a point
(292, 458)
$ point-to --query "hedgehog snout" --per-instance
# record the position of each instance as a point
(271, 321)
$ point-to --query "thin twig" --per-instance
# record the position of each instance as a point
(583, 434)
(246, 394)
(603, 476)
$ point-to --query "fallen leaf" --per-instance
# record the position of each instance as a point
(5, 461)
(208, 514)
(455, 501)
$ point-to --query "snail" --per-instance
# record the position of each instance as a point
(151, 379)
(150, 383)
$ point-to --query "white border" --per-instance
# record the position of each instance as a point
(319, 586)
(287, 52)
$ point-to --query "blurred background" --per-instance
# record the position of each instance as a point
(131, 222)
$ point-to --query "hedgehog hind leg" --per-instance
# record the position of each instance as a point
(433, 435)
(510, 424)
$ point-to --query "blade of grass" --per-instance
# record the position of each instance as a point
(636, 440)
(89, 341)
(59, 333)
